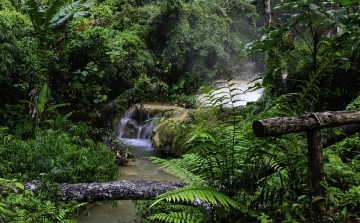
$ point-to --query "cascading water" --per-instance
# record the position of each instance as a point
(130, 128)
(135, 133)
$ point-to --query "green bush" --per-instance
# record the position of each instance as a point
(47, 206)
(68, 156)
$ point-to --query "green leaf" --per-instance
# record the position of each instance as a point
(66, 14)
(268, 80)
(317, 198)
(57, 106)
(19, 185)
(42, 98)
(175, 217)
(67, 116)
(54, 8)
(36, 15)
(88, 3)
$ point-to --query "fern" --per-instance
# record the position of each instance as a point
(180, 167)
(206, 194)
(216, 154)
(292, 104)
(177, 217)
(307, 97)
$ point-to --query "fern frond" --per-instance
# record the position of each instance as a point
(206, 194)
(181, 167)
(177, 217)
(204, 148)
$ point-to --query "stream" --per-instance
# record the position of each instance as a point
(139, 168)
(134, 133)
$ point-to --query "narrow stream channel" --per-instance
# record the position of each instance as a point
(139, 168)
(134, 133)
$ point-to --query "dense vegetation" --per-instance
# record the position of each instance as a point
(68, 66)
(234, 176)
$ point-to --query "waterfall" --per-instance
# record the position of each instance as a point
(124, 121)
(139, 132)
(130, 126)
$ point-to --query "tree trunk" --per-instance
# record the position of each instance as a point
(318, 120)
(116, 190)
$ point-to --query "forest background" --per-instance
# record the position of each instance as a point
(68, 68)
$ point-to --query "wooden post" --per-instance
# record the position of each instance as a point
(311, 123)
(315, 167)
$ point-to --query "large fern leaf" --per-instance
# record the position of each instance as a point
(177, 217)
(181, 167)
(206, 194)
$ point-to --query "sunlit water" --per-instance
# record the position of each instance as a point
(140, 168)
(238, 91)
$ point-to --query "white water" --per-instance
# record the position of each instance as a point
(122, 125)
(143, 129)
(238, 91)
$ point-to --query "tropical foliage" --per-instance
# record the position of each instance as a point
(265, 180)
(68, 67)
(268, 178)
(315, 43)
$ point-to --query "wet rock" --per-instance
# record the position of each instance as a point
(131, 129)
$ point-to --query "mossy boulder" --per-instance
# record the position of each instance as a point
(164, 133)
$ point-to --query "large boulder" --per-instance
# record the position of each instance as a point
(164, 136)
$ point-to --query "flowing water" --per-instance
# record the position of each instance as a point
(134, 133)
(139, 168)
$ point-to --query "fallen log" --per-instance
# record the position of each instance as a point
(115, 190)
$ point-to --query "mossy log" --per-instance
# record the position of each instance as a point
(115, 190)
(311, 121)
